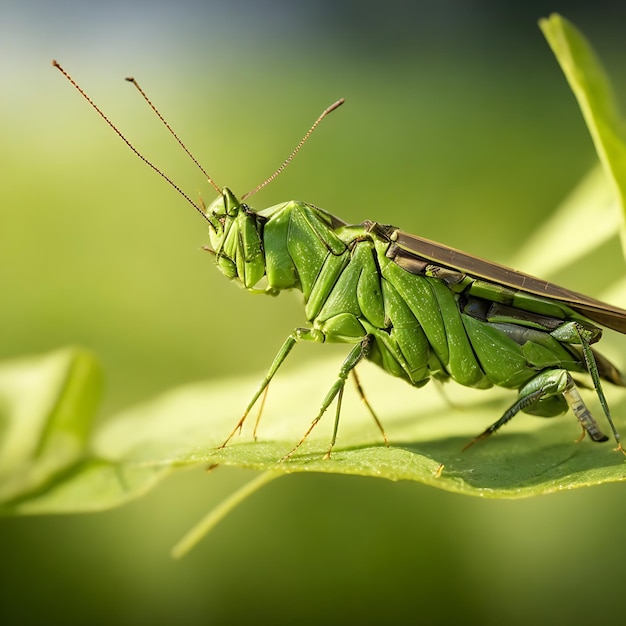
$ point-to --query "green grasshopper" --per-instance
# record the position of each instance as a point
(416, 308)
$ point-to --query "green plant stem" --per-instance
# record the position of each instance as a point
(213, 518)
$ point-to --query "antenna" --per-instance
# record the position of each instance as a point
(130, 145)
(130, 79)
(288, 160)
(198, 208)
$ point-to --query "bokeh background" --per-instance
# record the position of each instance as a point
(458, 126)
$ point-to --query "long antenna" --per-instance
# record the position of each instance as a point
(130, 145)
(288, 160)
(130, 79)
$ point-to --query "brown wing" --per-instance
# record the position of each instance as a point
(597, 311)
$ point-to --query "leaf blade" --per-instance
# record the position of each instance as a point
(594, 94)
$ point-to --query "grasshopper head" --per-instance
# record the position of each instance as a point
(236, 239)
(221, 214)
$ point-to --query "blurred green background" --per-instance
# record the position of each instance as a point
(458, 126)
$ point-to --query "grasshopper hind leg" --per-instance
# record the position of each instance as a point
(549, 394)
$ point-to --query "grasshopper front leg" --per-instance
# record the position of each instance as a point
(299, 334)
(356, 355)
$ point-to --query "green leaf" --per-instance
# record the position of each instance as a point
(184, 427)
(532, 456)
(46, 408)
(594, 94)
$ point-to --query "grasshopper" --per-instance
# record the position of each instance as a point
(417, 308)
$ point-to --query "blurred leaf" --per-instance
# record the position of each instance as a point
(46, 409)
(594, 94)
(567, 223)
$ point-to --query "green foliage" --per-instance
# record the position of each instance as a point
(47, 405)
(594, 94)
(52, 461)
